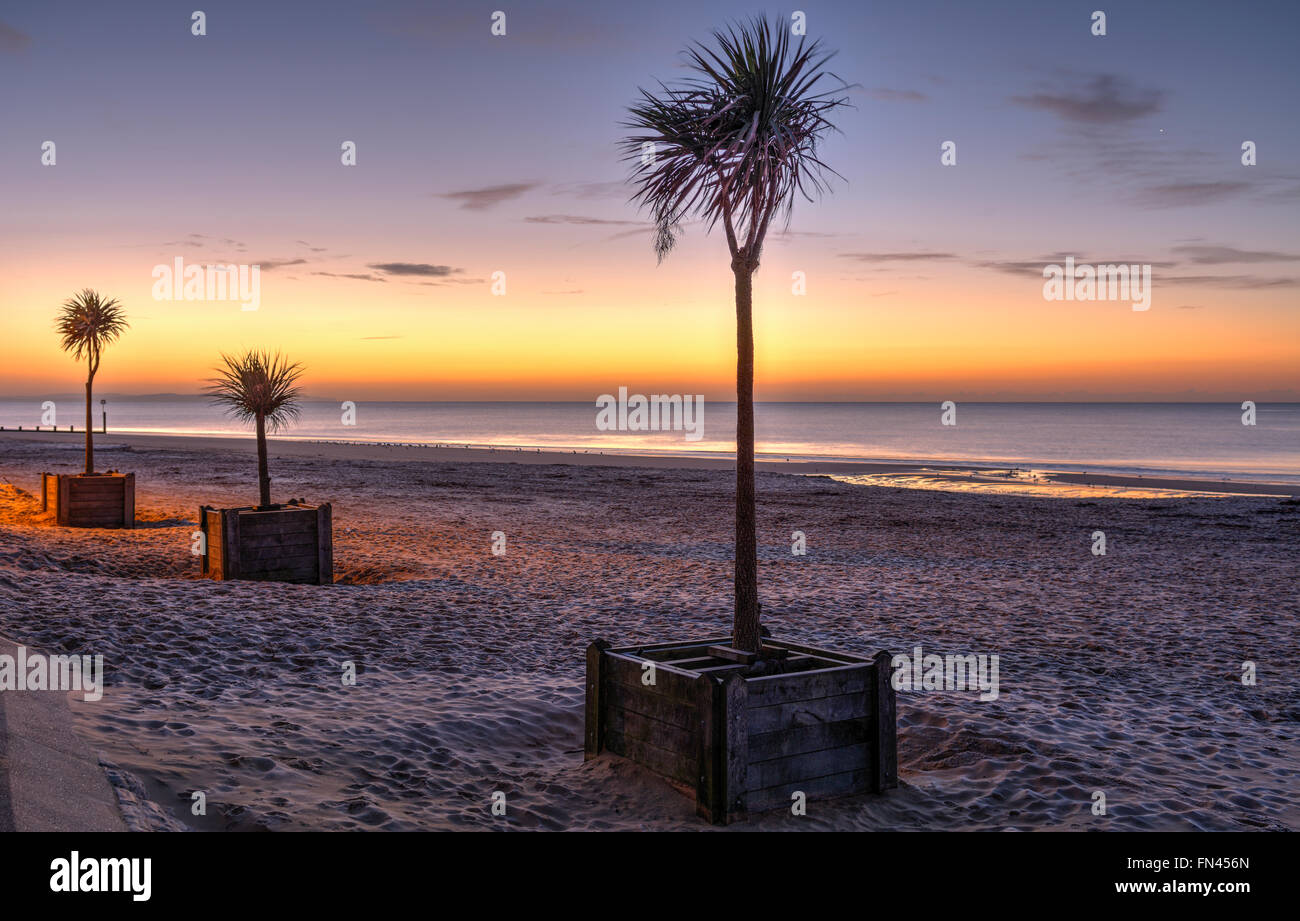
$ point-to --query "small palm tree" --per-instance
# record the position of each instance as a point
(734, 143)
(88, 323)
(258, 387)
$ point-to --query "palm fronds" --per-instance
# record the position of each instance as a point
(258, 384)
(735, 141)
(87, 323)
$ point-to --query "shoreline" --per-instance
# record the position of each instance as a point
(934, 475)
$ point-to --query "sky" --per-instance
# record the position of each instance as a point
(479, 154)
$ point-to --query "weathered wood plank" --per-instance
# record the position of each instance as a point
(805, 713)
(819, 788)
(674, 681)
(128, 500)
(795, 769)
(639, 726)
(735, 757)
(325, 544)
(305, 565)
(724, 669)
(95, 500)
(884, 726)
(667, 655)
(816, 651)
(230, 537)
(675, 765)
(279, 543)
(786, 742)
(95, 519)
(776, 689)
(97, 485)
(646, 702)
(593, 737)
(64, 485)
(652, 650)
(297, 576)
(708, 749)
(264, 524)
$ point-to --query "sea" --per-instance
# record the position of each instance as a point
(1197, 439)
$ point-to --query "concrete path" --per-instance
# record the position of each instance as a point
(50, 780)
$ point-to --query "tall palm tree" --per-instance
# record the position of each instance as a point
(734, 143)
(258, 386)
(88, 323)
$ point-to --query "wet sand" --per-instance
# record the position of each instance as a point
(1119, 673)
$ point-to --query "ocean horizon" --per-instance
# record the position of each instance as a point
(1189, 439)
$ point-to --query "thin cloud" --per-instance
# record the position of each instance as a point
(413, 268)
(1036, 266)
(896, 257)
(577, 219)
(489, 197)
(1106, 99)
(592, 190)
(12, 39)
(1223, 255)
(270, 264)
(886, 94)
(1250, 282)
(358, 276)
(1188, 194)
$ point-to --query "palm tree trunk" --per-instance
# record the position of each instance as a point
(263, 477)
(90, 438)
(745, 629)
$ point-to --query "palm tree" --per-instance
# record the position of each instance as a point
(88, 323)
(735, 142)
(260, 387)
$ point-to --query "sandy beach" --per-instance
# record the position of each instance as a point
(1118, 673)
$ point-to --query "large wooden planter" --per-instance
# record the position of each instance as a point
(826, 727)
(292, 543)
(97, 500)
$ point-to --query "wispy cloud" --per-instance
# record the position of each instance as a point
(12, 39)
(1225, 255)
(1035, 266)
(269, 264)
(1104, 99)
(886, 94)
(489, 197)
(359, 276)
(413, 268)
(897, 257)
(1231, 281)
(578, 219)
(1187, 194)
(588, 191)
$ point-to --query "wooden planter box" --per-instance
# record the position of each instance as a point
(826, 727)
(293, 543)
(100, 500)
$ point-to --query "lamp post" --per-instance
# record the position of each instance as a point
(104, 417)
